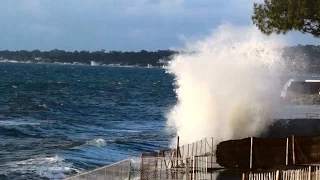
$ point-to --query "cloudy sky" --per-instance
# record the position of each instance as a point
(127, 25)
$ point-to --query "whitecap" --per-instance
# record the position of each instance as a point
(97, 142)
(17, 123)
(49, 167)
(42, 105)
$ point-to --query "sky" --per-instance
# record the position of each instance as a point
(125, 25)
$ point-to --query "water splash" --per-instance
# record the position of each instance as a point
(228, 87)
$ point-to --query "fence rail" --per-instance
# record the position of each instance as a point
(153, 168)
(117, 171)
(306, 173)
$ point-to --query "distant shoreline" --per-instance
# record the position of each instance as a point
(78, 64)
(112, 58)
(301, 58)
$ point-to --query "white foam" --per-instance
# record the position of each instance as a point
(49, 167)
(97, 142)
(229, 87)
(17, 123)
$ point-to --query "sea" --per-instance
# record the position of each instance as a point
(57, 120)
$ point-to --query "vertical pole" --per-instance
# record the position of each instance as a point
(112, 171)
(287, 151)
(177, 151)
(211, 154)
(277, 175)
(105, 173)
(188, 152)
(212, 145)
(251, 145)
(243, 176)
(201, 149)
(206, 164)
(192, 150)
(193, 167)
(120, 169)
(187, 169)
(196, 149)
(161, 159)
(129, 175)
(205, 146)
(309, 173)
(293, 154)
(141, 168)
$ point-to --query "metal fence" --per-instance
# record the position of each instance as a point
(117, 171)
(203, 147)
(187, 162)
(152, 168)
(199, 148)
(304, 173)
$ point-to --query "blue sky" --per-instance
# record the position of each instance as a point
(127, 25)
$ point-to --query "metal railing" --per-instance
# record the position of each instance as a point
(186, 162)
(117, 171)
(152, 168)
(305, 173)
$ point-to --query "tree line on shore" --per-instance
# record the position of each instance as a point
(141, 58)
(308, 55)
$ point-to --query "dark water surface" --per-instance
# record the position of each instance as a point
(60, 119)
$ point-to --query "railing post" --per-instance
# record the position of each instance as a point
(309, 173)
(177, 151)
(193, 168)
(196, 148)
(113, 172)
(277, 175)
(293, 153)
(129, 170)
(200, 148)
(188, 151)
(187, 169)
(287, 151)
(251, 146)
(205, 146)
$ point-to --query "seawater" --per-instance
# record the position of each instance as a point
(56, 120)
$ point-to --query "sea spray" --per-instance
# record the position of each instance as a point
(228, 86)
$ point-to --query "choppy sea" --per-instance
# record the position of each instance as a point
(56, 120)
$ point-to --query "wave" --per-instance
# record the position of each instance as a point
(96, 142)
(49, 167)
(68, 63)
(14, 132)
(229, 87)
(17, 123)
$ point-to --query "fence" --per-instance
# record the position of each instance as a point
(306, 173)
(152, 168)
(118, 171)
(265, 153)
(203, 147)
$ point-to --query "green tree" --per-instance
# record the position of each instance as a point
(282, 16)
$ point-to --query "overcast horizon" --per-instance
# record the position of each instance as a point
(120, 25)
